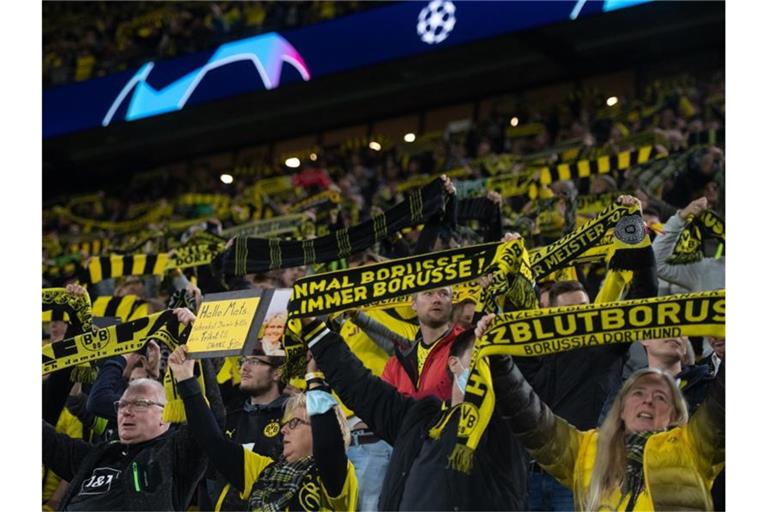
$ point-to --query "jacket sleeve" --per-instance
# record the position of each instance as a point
(374, 401)
(551, 441)
(329, 451)
(388, 374)
(55, 391)
(225, 455)
(61, 453)
(382, 335)
(687, 275)
(706, 430)
(107, 389)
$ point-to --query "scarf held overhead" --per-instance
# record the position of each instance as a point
(348, 289)
(562, 252)
(112, 341)
(555, 330)
(250, 255)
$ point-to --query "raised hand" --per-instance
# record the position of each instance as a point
(183, 367)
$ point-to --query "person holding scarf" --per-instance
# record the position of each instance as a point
(423, 431)
(313, 472)
(646, 454)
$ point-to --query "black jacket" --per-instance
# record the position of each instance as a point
(168, 468)
(260, 427)
(498, 481)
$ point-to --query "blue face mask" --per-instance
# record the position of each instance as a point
(461, 379)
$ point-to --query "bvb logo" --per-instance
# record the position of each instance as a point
(469, 418)
(436, 21)
(272, 429)
(309, 496)
(95, 341)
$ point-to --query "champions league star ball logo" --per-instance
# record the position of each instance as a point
(436, 21)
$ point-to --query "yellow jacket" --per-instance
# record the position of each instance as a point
(679, 465)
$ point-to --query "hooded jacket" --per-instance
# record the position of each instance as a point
(498, 481)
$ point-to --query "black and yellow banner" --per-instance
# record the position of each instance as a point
(194, 254)
(70, 308)
(112, 341)
(127, 307)
(601, 165)
(315, 200)
(563, 252)
(115, 265)
(348, 289)
(153, 215)
(249, 255)
(688, 248)
(554, 330)
(276, 226)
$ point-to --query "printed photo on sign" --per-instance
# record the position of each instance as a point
(276, 316)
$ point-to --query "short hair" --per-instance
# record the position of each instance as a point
(562, 287)
(416, 294)
(299, 401)
(146, 385)
(463, 341)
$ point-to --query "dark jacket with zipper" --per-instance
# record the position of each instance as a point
(159, 474)
(498, 481)
(259, 425)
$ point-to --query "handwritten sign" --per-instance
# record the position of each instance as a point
(224, 324)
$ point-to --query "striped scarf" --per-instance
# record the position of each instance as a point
(253, 255)
(634, 444)
(279, 483)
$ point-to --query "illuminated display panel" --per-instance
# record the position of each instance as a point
(271, 60)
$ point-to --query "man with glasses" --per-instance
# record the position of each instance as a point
(151, 467)
(255, 423)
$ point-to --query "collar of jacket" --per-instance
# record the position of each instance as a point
(277, 403)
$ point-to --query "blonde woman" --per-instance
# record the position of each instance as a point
(274, 327)
(313, 472)
(646, 455)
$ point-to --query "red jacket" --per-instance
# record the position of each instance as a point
(401, 369)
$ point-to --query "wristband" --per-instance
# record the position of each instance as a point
(314, 376)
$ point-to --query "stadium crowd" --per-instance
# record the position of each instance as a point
(370, 426)
(83, 40)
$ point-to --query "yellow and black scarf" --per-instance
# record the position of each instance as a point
(260, 254)
(554, 330)
(688, 248)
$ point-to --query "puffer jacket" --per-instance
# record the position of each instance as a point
(679, 465)
(402, 370)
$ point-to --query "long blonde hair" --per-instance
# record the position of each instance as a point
(610, 462)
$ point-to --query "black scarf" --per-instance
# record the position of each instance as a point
(253, 255)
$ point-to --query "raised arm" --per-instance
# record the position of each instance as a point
(226, 456)
(686, 275)
(550, 440)
(327, 440)
(374, 401)
(706, 430)
(61, 453)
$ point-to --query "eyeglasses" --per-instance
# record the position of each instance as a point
(293, 423)
(139, 405)
(254, 360)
